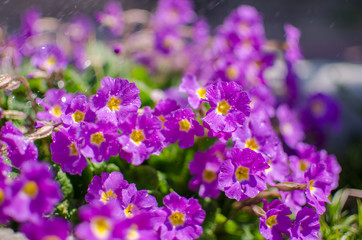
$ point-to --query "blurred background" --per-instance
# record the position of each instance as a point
(331, 41)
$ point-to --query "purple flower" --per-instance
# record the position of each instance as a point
(290, 126)
(292, 35)
(276, 220)
(55, 103)
(106, 188)
(168, 40)
(205, 167)
(320, 114)
(98, 221)
(257, 135)
(163, 108)
(137, 227)
(10, 55)
(33, 193)
(134, 202)
(65, 150)
(306, 225)
(196, 93)
(229, 107)
(19, 148)
(246, 21)
(100, 141)
(140, 137)
(181, 125)
(79, 29)
(318, 186)
(49, 58)
(78, 112)
(262, 100)
(242, 174)
(183, 218)
(115, 100)
(112, 18)
(51, 228)
(306, 157)
(173, 12)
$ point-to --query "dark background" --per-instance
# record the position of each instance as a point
(330, 29)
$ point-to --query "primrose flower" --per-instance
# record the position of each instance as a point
(290, 127)
(183, 218)
(205, 167)
(242, 174)
(163, 108)
(318, 186)
(98, 221)
(134, 202)
(78, 112)
(229, 107)
(49, 58)
(79, 29)
(276, 220)
(306, 157)
(321, 113)
(112, 18)
(181, 125)
(55, 103)
(173, 12)
(168, 40)
(115, 100)
(65, 150)
(48, 228)
(100, 141)
(306, 225)
(196, 93)
(19, 148)
(137, 227)
(140, 137)
(106, 188)
(33, 193)
(293, 51)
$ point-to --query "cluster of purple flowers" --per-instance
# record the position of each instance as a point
(223, 94)
(117, 210)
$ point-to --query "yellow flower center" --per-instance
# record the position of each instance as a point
(51, 237)
(137, 136)
(318, 108)
(311, 183)
(303, 165)
(242, 173)
(223, 107)
(201, 92)
(106, 196)
(31, 189)
(73, 149)
(271, 221)
(251, 144)
(232, 72)
(78, 116)
(101, 227)
(2, 196)
(56, 111)
(50, 62)
(208, 175)
(185, 125)
(177, 218)
(113, 104)
(133, 233)
(129, 210)
(162, 118)
(97, 138)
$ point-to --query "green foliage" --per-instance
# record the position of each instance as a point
(339, 224)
